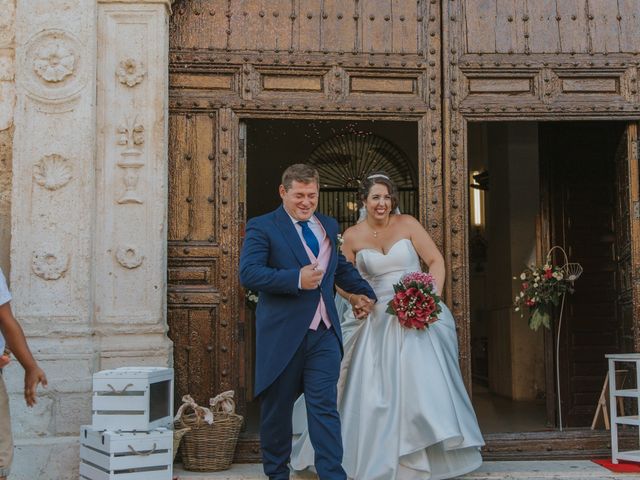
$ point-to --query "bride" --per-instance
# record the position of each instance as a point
(404, 409)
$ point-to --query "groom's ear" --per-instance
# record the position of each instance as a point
(282, 191)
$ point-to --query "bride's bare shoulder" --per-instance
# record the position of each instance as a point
(404, 219)
(352, 231)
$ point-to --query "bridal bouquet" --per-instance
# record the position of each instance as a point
(416, 302)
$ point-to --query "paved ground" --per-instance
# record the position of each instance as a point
(543, 470)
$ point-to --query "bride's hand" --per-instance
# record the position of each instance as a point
(361, 305)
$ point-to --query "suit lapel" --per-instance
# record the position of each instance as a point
(284, 223)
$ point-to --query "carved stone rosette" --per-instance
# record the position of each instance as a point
(54, 66)
(130, 72)
(129, 256)
(48, 265)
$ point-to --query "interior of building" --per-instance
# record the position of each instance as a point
(534, 185)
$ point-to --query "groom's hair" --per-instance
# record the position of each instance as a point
(300, 172)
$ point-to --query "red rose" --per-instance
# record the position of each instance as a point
(548, 273)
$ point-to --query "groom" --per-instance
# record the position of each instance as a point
(291, 258)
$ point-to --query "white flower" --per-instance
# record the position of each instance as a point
(517, 309)
(523, 276)
(521, 294)
(535, 285)
(517, 298)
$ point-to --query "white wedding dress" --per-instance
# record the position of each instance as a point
(404, 409)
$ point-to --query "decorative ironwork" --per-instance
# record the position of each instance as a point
(344, 160)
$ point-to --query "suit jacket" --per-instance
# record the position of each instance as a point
(270, 262)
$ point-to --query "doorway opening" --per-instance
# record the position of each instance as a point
(534, 185)
(343, 152)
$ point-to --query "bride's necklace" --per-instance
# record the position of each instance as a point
(376, 232)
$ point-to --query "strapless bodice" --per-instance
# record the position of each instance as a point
(383, 270)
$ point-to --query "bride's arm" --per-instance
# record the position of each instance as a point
(427, 250)
(360, 304)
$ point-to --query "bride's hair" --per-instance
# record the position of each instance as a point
(383, 179)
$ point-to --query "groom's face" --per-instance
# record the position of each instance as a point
(300, 200)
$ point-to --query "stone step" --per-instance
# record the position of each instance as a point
(516, 470)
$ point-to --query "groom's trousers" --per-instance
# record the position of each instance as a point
(314, 371)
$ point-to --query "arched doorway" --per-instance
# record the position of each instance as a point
(344, 160)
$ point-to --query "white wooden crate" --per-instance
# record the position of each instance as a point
(133, 399)
(108, 455)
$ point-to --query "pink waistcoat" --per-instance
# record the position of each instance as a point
(323, 262)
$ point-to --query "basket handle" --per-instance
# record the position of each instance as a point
(564, 254)
(114, 390)
(202, 413)
(143, 453)
(223, 402)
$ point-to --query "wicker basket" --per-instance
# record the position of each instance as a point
(209, 447)
(177, 438)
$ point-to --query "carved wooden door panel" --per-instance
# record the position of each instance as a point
(202, 253)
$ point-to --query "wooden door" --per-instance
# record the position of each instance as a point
(582, 164)
(205, 216)
(626, 221)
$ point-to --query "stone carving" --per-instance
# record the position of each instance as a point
(52, 172)
(131, 135)
(54, 67)
(130, 72)
(131, 166)
(54, 61)
(129, 256)
(49, 266)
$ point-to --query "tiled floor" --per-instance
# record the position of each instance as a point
(498, 414)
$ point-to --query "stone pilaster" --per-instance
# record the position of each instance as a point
(131, 175)
(89, 196)
(53, 204)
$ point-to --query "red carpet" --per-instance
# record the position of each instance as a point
(621, 467)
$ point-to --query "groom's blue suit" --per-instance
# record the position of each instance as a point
(291, 359)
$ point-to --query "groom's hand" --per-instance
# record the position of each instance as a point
(310, 276)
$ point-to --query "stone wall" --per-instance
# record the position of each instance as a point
(7, 103)
(88, 207)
